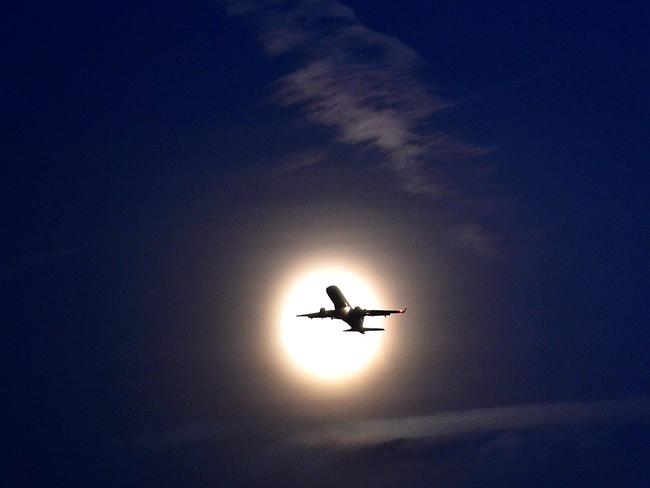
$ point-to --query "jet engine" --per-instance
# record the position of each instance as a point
(322, 310)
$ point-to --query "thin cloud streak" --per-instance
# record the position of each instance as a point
(518, 417)
(361, 83)
(301, 160)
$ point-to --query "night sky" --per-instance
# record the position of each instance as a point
(170, 168)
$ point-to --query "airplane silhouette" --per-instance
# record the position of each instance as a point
(351, 316)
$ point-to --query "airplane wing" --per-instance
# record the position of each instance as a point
(322, 314)
(374, 313)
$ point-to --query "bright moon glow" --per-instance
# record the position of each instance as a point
(319, 346)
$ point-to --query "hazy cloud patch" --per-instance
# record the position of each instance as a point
(361, 83)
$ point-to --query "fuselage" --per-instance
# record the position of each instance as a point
(343, 311)
(351, 316)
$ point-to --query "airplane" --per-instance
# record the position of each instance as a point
(351, 316)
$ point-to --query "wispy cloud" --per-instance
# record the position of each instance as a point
(361, 83)
(474, 237)
(605, 443)
(452, 424)
(434, 427)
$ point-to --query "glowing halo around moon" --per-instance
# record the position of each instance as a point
(319, 346)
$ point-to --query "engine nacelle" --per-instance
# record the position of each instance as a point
(322, 310)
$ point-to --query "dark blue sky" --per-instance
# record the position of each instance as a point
(164, 163)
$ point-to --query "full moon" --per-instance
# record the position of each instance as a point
(319, 346)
